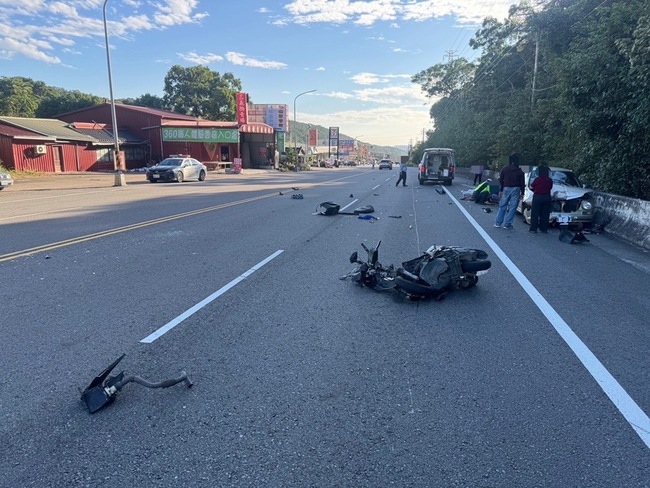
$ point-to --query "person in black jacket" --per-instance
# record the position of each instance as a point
(512, 184)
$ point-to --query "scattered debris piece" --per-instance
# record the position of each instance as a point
(572, 237)
(102, 390)
(395, 216)
(487, 210)
(297, 196)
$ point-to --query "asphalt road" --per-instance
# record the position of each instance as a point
(538, 377)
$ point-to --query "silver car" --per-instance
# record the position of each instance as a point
(573, 204)
(5, 180)
(385, 164)
(177, 168)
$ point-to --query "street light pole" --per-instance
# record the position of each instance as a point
(295, 147)
(119, 177)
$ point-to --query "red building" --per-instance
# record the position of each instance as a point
(165, 132)
(49, 145)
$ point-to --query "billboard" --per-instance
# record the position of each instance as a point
(184, 134)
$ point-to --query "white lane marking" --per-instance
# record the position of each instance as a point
(350, 204)
(173, 323)
(616, 393)
(375, 187)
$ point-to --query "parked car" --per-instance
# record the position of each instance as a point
(385, 164)
(178, 168)
(438, 165)
(573, 204)
(5, 180)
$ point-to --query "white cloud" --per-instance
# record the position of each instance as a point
(369, 12)
(243, 60)
(202, 59)
(175, 12)
(34, 50)
(372, 78)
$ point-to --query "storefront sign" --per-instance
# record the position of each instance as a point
(280, 136)
(242, 108)
(183, 134)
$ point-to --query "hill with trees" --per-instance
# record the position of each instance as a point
(561, 82)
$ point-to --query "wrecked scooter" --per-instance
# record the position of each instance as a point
(437, 271)
(441, 269)
(370, 272)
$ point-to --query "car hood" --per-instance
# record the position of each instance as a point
(159, 169)
(561, 192)
(564, 192)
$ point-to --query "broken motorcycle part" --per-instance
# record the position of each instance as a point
(103, 389)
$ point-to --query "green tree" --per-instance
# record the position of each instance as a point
(147, 100)
(17, 98)
(201, 92)
(56, 101)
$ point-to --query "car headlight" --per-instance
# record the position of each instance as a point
(586, 205)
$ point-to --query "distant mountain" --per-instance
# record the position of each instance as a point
(302, 134)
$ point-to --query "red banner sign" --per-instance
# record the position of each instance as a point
(242, 108)
(313, 137)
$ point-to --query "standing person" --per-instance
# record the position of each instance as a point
(402, 174)
(540, 211)
(512, 184)
(478, 173)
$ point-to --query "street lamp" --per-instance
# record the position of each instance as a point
(119, 177)
(295, 148)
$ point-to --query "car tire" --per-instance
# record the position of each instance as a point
(153, 181)
(202, 175)
(526, 213)
(179, 177)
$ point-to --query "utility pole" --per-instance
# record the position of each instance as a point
(450, 55)
(532, 94)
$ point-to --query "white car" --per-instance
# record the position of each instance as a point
(5, 180)
(573, 204)
(178, 168)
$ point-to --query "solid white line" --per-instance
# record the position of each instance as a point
(173, 323)
(636, 417)
(351, 203)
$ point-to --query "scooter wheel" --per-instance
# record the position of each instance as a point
(474, 266)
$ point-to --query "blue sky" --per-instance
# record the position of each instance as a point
(358, 55)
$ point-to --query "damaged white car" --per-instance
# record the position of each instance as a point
(573, 204)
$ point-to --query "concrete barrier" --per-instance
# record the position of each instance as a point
(623, 217)
(627, 218)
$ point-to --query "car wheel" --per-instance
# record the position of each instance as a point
(202, 175)
(179, 177)
(153, 181)
(525, 213)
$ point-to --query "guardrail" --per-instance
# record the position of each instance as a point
(623, 217)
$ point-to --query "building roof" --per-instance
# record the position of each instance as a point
(55, 128)
(18, 133)
(103, 133)
(163, 114)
